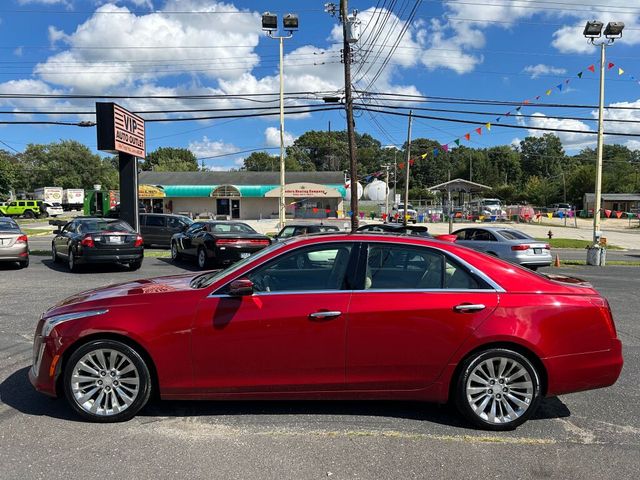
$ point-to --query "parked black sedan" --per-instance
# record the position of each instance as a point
(294, 230)
(97, 240)
(217, 243)
(396, 228)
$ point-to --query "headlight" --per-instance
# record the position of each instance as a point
(51, 322)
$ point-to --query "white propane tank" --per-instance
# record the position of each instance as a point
(347, 185)
(376, 191)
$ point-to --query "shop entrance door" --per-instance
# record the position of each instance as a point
(235, 208)
(222, 206)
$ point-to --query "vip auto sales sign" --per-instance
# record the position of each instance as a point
(119, 131)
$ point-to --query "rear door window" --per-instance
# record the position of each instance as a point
(155, 221)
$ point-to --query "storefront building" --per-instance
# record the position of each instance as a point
(243, 195)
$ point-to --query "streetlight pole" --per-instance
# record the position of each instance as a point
(270, 24)
(593, 32)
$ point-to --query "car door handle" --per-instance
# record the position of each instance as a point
(469, 307)
(324, 315)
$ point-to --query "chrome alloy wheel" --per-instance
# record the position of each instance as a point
(499, 390)
(105, 382)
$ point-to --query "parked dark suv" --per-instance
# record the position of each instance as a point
(158, 228)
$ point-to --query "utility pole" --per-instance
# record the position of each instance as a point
(408, 164)
(388, 191)
(353, 166)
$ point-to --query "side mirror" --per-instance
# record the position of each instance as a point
(241, 287)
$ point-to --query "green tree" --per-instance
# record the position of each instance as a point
(7, 173)
(263, 162)
(540, 191)
(542, 156)
(169, 159)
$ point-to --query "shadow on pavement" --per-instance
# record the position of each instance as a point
(8, 266)
(61, 266)
(16, 392)
(188, 265)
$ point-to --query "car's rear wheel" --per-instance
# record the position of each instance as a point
(72, 262)
(29, 214)
(135, 265)
(175, 255)
(202, 258)
(24, 263)
(497, 389)
(107, 381)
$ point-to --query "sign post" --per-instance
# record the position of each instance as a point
(122, 132)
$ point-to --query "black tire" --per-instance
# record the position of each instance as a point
(29, 214)
(528, 401)
(175, 254)
(71, 261)
(493, 254)
(54, 254)
(532, 267)
(133, 266)
(141, 369)
(24, 263)
(201, 259)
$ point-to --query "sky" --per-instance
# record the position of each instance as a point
(495, 50)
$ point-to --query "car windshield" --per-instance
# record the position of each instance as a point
(105, 226)
(231, 228)
(206, 279)
(9, 225)
(491, 203)
(514, 235)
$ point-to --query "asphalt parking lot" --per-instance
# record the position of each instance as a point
(585, 435)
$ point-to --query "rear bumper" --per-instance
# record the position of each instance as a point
(110, 256)
(584, 371)
(14, 253)
(228, 255)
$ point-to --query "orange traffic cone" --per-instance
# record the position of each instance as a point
(557, 261)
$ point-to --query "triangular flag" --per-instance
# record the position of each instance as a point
(526, 102)
(620, 71)
(518, 109)
(592, 68)
(457, 141)
(424, 155)
(411, 162)
(611, 65)
(498, 119)
(548, 92)
(479, 130)
(401, 165)
(445, 147)
(488, 125)
(607, 213)
(618, 214)
(567, 81)
(467, 136)
(580, 75)
(507, 114)
(559, 87)
(435, 152)
(538, 97)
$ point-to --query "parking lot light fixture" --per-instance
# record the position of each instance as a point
(270, 25)
(592, 32)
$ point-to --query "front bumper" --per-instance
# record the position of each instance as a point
(584, 371)
(45, 368)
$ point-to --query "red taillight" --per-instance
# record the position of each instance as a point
(605, 311)
(242, 241)
(547, 247)
(520, 247)
(88, 242)
(139, 241)
(22, 239)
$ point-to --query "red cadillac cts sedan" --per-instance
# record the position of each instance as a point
(340, 316)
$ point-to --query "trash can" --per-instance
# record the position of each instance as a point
(596, 255)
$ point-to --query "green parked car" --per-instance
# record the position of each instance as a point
(22, 208)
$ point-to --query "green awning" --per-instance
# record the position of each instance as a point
(246, 191)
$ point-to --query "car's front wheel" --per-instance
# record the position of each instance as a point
(106, 381)
(175, 255)
(498, 389)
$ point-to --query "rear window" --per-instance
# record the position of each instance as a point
(514, 235)
(104, 226)
(231, 228)
(8, 225)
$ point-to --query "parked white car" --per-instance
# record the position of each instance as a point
(411, 212)
(53, 209)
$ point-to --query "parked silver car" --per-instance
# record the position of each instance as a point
(508, 244)
(14, 244)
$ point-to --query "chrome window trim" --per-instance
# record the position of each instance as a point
(495, 287)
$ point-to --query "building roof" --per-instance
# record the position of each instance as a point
(237, 178)
(614, 197)
(460, 185)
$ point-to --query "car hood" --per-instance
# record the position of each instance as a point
(174, 283)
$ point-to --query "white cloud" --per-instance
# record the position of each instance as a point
(570, 141)
(541, 69)
(210, 148)
(272, 137)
